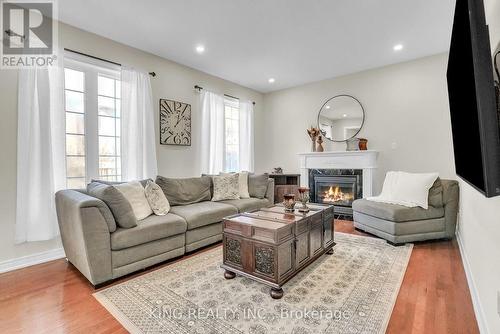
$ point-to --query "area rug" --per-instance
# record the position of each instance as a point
(351, 291)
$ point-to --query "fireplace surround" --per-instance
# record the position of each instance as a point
(350, 171)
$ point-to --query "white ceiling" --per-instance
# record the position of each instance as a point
(250, 41)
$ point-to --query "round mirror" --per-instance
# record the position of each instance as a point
(341, 118)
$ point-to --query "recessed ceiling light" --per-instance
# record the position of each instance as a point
(398, 47)
(344, 115)
(271, 80)
(200, 48)
(327, 107)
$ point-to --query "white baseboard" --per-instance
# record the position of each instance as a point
(476, 303)
(29, 260)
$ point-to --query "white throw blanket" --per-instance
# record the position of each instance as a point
(408, 189)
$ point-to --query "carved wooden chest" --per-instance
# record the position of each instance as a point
(271, 245)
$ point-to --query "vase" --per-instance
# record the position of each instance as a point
(313, 146)
(304, 198)
(363, 144)
(352, 144)
(289, 202)
(320, 148)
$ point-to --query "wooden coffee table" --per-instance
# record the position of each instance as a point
(271, 245)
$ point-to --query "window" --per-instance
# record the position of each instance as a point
(109, 128)
(75, 128)
(92, 104)
(232, 140)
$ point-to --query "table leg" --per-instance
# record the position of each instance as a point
(276, 293)
(229, 274)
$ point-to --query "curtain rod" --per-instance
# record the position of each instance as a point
(199, 88)
(153, 74)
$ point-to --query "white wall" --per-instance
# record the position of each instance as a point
(407, 118)
(173, 81)
(479, 227)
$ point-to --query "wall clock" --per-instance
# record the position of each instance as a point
(175, 123)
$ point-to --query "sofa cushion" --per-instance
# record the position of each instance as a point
(203, 213)
(117, 203)
(203, 232)
(247, 204)
(149, 229)
(242, 183)
(185, 191)
(149, 250)
(257, 185)
(394, 212)
(417, 229)
(436, 194)
(156, 199)
(112, 183)
(226, 187)
(134, 193)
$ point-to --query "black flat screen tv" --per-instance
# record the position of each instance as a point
(471, 91)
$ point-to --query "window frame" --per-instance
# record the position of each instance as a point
(117, 142)
(66, 133)
(233, 103)
(91, 69)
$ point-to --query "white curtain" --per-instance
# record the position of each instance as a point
(212, 132)
(246, 136)
(138, 133)
(41, 169)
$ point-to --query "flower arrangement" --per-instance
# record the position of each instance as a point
(313, 134)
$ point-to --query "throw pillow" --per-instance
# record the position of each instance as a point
(210, 176)
(257, 185)
(117, 203)
(134, 193)
(407, 189)
(112, 183)
(243, 184)
(436, 194)
(156, 199)
(185, 191)
(226, 187)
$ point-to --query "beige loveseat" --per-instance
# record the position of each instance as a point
(103, 251)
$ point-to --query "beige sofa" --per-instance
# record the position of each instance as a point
(103, 251)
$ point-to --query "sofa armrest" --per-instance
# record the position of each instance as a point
(451, 196)
(85, 224)
(270, 191)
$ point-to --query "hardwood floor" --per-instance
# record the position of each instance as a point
(434, 297)
(55, 298)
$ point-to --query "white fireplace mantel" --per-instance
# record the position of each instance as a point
(365, 160)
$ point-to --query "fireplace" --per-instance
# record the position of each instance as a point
(339, 187)
(337, 190)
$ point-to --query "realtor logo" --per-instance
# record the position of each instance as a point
(28, 33)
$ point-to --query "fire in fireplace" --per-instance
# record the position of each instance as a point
(337, 187)
(335, 195)
(337, 190)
